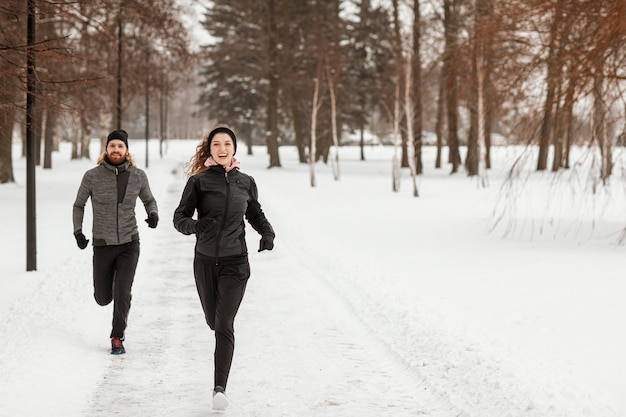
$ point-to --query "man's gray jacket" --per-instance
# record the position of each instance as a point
(113, 191)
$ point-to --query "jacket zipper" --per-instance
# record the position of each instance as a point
(219, 231)
(117, 204)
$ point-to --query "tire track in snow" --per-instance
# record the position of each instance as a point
(345, 370)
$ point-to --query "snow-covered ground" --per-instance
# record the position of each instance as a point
(372, 303)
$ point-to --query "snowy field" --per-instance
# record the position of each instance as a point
(372, 303)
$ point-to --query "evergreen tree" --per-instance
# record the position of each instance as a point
(369, 67)
(234, 69)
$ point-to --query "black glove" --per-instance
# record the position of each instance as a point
(152, 220)
(81, 240)
(267, 242)
(205, 224)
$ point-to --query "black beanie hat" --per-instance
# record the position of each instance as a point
(222, 129)
(120, 135)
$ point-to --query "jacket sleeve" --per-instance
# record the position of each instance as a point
(255, 215)
(78, 211)
(145, 194)
(183, 221)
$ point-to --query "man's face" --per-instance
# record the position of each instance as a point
(116, 151)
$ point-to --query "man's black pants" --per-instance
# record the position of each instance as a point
(113, 275)
(221, 289)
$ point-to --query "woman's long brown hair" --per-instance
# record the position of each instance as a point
(196, 162)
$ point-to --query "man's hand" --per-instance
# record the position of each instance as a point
(152, 220)
(81, 240)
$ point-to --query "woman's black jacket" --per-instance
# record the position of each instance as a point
(226, 197)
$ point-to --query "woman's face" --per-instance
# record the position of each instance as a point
(222, 149)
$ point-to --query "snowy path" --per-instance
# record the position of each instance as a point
(372, 304)
(301, 350)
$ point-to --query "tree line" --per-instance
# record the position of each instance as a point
(98, 66)
(547, 73)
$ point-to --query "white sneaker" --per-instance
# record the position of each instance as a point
(220, 400)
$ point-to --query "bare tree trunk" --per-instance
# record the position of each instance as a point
(163, 119)
(599, 127)
(312, 149)
(395, 167)
(482, 156)
(568, 112)
(74, 138)
(475, 148)
(557, 139)
(147, 106)
(451, 30)
(471, 160)
(400, 144)
(439, 124)
(362, 141)
(271, 134)
(333, 70)
(51, 124)
(7, 119)
(38, 127)
(488, 27)
(9, 89)
(417, 90)
(23, 132)
(333, 120)
(488, 106)
(488, 91)
(120, 62)
(84, 137)
(552, 76)
(399, 76)
(105, 119)
(408, 110)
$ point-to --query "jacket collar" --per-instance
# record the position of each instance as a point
(119, 168)
(210, 163)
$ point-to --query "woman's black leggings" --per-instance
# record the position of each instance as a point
(221, 289)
